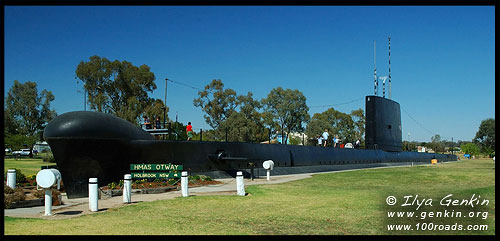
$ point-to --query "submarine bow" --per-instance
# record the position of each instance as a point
(89, 144)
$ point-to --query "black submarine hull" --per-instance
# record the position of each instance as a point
(96, 145)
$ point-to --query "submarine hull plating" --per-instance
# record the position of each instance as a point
(95, 145)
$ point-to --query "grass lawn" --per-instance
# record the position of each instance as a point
(27, 166)
(346, 203)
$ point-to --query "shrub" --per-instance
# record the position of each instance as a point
(139, 181)
(205, 178)
(17, 196)
(55, 194)
(112, 185)
(48, 157)
(20, 177)
(7, 189)
(39, 194)
(171, 181)
(195, 177)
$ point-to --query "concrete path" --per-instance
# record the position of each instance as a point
(80, 206)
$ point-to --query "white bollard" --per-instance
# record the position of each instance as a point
(268, 165)
(127, 188)
(11, 178)
(240, 186)
(184, 184)
(93, 195)
(48, 202)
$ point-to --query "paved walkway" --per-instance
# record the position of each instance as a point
(80, 206)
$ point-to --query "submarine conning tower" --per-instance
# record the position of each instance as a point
(383, 124)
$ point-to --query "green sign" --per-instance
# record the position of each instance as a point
(155, 167)
(155, 175)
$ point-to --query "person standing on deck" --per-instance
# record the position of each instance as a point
(147, 124)
(157, 123)
(325, 137)
(189, 130)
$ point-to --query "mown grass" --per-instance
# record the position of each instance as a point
(27, 166)
(347, 203)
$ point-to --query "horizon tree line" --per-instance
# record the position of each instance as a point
(122, 89)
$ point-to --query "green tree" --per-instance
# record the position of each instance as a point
(96, 76)
(315, 127)
(225, 111)
(337, 123)
(470, 148)
(27, 112)
(118, 88)
(17, 141)
(436, 143)
(220, 106)
(11, 127)
(178, 132)
(295, 140)
(286, 109)
(239, 128)
(209, 135)
(155, 109)
(485, 136)
(358, 116)
(249, 111)
(409, 146)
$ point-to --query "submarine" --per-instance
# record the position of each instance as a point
(89, 144)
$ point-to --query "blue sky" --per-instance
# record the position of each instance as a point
(442, 57)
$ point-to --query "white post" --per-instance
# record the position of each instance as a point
(93, 195)
(240, 186)
(268, 174)
(127, 188)
(48, 202)
(11, 178)
(184, 184)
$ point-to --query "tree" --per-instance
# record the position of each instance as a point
(436, 143)
(239, 128)
(318, 123)
(220, 107)
(337, 123)
(17, 141)
(118, 88)
(485, 136)
(409, 146)
(155, 109)
(249, 110)
(27, 113)
(286, 109)
(96, 75)
(358, 116)
(225, 111)
(11, 126)
(470, 148)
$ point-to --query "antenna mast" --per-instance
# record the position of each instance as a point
(375, 66)
(389, 67)
(383, 78)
